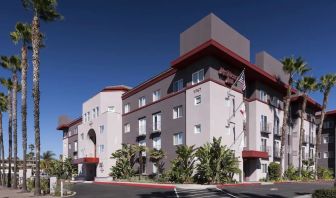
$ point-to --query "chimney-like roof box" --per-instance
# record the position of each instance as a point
(212, 27)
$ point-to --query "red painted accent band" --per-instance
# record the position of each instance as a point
(86, 160)
(254, 154)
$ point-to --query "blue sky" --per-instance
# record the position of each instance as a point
(101, 43)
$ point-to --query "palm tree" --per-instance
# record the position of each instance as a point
(9, 85)
(22, 34)
(305, 85)
(327, 82)
(156, 156)
(47, 157)
(3, 108)
(13, 63)
(292, 67)
(46, 11)
(182, 166)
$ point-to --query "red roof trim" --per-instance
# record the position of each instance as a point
(254, 154)
(115, 88)
(333, 112)
(70, 124)
(86, 160)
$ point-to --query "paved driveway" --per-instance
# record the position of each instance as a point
(283, 190)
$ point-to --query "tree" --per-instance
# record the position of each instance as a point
(182, 166)
(47, 157)
(292, 67)
(22, 33)
(9, 86)
(13, 63)
(156, 157)
(3, 108)
(327, 82)
(61, 169)
(125, 161)
(46, 11)
(217, 163)
(305, 86)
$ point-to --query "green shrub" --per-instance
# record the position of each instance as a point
(325, 193)
(307, 175)
(324, 173)
(274, 171)
(30, 185)
(291, 173)
(45, 186)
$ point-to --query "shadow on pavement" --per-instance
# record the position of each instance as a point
(157, 194)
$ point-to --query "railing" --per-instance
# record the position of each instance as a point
(266, 128)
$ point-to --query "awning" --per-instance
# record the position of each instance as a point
(86, 160)
(254, 154)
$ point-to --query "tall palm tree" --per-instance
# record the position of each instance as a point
(3, 108)
(22, 33)
(327, 82)
(46, 11)
(13, 63)
(305, 85)
(47, 157)
(292, 67)
(9, 85)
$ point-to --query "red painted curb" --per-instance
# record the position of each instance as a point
(144, 185)
(239, 184)
(303, 182)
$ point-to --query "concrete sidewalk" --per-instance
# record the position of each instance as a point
(9, 193)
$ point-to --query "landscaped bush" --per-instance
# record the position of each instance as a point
(307, 174)
(325, 193)
(274, 171)
(291, 173)
(30, 184)
(324, 173)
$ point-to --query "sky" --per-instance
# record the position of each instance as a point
(101, 43)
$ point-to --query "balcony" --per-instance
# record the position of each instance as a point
(266, 128)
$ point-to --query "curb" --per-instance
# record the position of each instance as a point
(144, 185)
(304, 182)
(238, 184)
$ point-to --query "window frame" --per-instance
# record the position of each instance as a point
(198, 76)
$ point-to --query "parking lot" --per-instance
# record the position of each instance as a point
(283, 190)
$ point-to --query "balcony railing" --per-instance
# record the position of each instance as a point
(266, 128)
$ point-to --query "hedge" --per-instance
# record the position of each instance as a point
(325, 193)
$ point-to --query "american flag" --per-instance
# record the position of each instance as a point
(241, 79)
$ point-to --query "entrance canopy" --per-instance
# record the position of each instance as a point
(87, 160)
(251, 154)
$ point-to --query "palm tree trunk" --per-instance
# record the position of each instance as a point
(2, 153)
(36, 96)
(10, 140)
(284, 127)
(24, 68)
(319, 131)
(14, 102)
(303, 112)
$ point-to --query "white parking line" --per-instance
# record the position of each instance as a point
(177, 196)
(227, 193)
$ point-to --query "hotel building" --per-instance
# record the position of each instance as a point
(197, 99)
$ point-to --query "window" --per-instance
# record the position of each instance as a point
(142, 126)
(263, 123)
(156, 95)
(82, 136)
(88, 115)
(76, 146)
(178, 85)
(331, 154)
(85, 118)
(69, 146)
(263, 145)
(198, 100)
(198, 76)
(264, 168)
(311, 152)
(325, 155)
(97, 111)
(93, 113)
(178, 139)
(325, 140)
(157, 143)
(127, 128)
(328, 124)
(101, 129)
(263, 95)
(143, 143)
(157, 122)
(233, 107)
(177, 112)
(127, 108)
(197, 128)
(142, 101)
(110, 109)
(154, 168)
(101, 148)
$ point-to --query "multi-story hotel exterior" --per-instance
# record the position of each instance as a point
(197, 99)
(327, 148)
